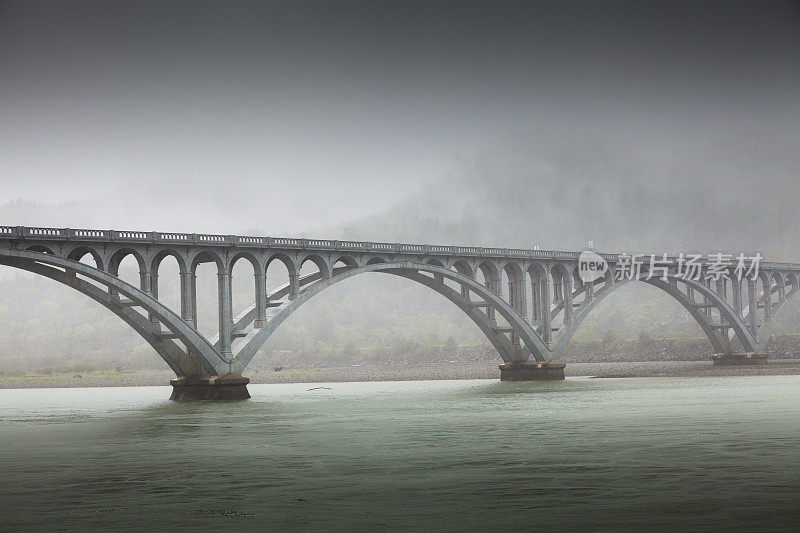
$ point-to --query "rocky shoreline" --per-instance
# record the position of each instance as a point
(412, 372)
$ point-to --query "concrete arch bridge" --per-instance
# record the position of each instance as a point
(529, 318)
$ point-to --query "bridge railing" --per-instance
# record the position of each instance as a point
(467, 250)
(252, 241)
(177, 237)
(89, 234)
(319, 243)
(382, 246)
(67, 234)
(137, 236)
(33, 233)
(286, 242)
(412, 248)
(352, 245)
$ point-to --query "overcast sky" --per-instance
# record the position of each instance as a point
(290, 116)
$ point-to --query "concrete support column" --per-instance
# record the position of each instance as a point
(706, 300)
(736, 290)
(752, 297)
(154, 292)
(154, 284)
(193, 284)
(494, 286)
(536, 297)
(144, 281)
(225, 312)
(522, 298)
(261, 299)
(187, 309)
(568, 300)
(589, 288)
(547, 324)
(294, 284)
(720, 290)
(512, 300)
(557, 290)
(768, 300)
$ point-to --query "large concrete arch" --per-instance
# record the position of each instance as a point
(670, 287)
(417, 272)
(201, 358)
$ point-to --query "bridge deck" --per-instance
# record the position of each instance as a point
(291, 243)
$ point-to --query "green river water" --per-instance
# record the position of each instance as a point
(717, 453)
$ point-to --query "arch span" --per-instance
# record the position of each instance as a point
(719, 342)
(200, 358)
(427, 275)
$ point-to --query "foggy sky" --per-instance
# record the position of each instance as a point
(292, 116)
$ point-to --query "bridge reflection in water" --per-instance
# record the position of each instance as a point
(530, 324)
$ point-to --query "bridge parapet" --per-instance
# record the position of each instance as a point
(132, 236)
(252, 241)
(382, 246)
(286, 242)
(202, 238)
(412, 248)
(351, 245)
(331, 245)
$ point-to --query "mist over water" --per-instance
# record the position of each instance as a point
(623, 454)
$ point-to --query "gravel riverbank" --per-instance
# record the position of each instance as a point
(415, 372)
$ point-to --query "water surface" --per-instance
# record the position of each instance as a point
(447, 455)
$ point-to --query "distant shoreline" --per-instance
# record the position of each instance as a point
(415, 372)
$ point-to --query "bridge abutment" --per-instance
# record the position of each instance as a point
(732, 359)
(527, 371)
(225, 387)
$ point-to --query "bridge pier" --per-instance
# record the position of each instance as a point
(732, 359)
(552, 369)
(225, 387)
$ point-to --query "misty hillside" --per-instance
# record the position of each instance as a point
(625, 194)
